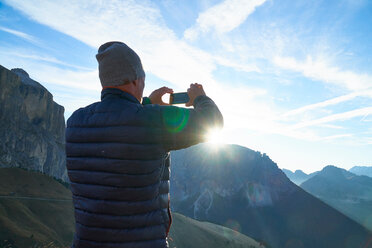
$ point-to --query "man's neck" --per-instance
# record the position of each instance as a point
(120, 87)
(126, 88)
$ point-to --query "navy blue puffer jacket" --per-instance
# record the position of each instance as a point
(118, 165)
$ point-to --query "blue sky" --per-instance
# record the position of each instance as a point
(292, 78)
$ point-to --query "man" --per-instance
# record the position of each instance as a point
(118, 154)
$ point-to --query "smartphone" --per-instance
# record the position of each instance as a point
(179, 98)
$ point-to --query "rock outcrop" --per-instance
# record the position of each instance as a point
(32, 126)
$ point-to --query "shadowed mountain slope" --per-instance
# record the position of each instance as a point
(240, 188)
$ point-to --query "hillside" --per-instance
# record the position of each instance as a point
(37, 210)
(34, 208)
(240, 188)
(349, 193)
(187, 232)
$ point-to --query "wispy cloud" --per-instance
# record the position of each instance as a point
(333, 101)
(337, 136)
(87, 80)
(331, 126)
(20, 34)
(54, 75)
(335, 117)
(27, 54)
(223, 17)
(237, 66)
(322, 70)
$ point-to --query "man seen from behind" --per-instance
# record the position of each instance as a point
(118, 154)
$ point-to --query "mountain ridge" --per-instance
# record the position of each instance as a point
(298, 176)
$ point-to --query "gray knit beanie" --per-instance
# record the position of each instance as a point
(118, 64)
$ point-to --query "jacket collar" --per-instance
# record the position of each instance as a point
(116, 93)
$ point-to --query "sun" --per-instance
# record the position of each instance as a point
(215, 137)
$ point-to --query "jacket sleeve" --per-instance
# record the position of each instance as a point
(184, 127)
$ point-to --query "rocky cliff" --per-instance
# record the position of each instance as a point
(32, 126)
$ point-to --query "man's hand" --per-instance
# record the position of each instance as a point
(194, 91)
(156, 95)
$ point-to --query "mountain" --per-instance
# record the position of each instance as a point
(245, 190)
(349, 193)
(298, 176)
(37, 211)
(32, 126)
(362, 170)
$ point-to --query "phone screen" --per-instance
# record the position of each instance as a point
(178, 98)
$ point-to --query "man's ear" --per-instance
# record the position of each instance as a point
(127, 82)
(135, 82)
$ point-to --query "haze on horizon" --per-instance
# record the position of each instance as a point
(292, 78)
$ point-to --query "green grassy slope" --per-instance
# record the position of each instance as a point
(34, 209)
(37, 211)
(20, 182)
(187, 232)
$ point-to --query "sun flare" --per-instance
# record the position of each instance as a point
(215, 137)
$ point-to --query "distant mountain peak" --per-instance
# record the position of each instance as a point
(331, 171)
(330, 166)
(286, 170)
(297, 177)
(362, 170)
(339, 182)
(300, 172)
